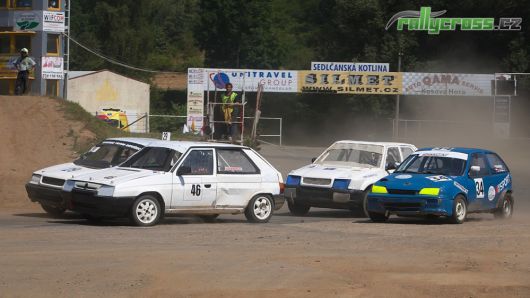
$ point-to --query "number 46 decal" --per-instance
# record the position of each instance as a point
(479, 186)
(196, 190)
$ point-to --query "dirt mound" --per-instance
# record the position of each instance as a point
(34, 134)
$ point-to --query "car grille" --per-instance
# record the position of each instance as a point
(402, 192)
(317, 181)
(52, 181)
(402, 206)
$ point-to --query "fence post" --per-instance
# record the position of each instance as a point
(146, 122)
(281, 128)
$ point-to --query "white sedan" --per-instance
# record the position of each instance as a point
(46, 184)
(342, 175)
(166, 177)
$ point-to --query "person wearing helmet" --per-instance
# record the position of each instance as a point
(24, 64)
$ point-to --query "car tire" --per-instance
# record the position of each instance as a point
(53, 211)
(259, 209)
(506, 209)
(208, 217)
(459, 210)
(145, 211)
(378, 217)
(298, 209)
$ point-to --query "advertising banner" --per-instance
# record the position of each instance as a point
(195, 106)
(27, 20)
(350, 66)
(249, 79)
(52, 68)
(53, 21)
(349, 82)
(449, 84)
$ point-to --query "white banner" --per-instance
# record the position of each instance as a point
(195, 106)
(53, 21)
(350, 66)
(249, 79)
(447, 84)
(52, 68)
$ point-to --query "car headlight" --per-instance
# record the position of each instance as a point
(379, 189)
(341, 183)
(293, 180)
(106, 191)
(69, 185)
(35, 178)
(430, 191)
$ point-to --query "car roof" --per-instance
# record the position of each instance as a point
(387, 144)
(456, 149)
(183, 146)
(138, 141)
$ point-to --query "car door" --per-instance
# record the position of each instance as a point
(195, 183)
(499, 178)
(481, 182)
(238, 177)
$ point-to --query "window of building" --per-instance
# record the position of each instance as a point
(5, 47)
(23, 3)
(3, 3)
(52, 87)
(53, 44)
(54, 4)
(22, 41)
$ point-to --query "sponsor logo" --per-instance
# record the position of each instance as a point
(439, 178)
(504, 183)
(403, 176)
(461, 187)
(69, 170)
(491, 193)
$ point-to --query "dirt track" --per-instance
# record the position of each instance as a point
(327, 253)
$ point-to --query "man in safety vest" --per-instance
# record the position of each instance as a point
(230, 111)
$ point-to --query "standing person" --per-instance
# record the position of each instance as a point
(230, 111)
(24, 64)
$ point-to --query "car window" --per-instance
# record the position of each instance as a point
(153, 158)
(406, 151)
(393, 155)
(123, 155)
(200, 162)
(478, 159)
(234, 162)
(432, 165)
(496, 163)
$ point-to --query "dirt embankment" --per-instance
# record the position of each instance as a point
(34, 134)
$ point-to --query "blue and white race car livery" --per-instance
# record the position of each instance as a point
(450, 182)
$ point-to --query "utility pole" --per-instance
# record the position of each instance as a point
(66, 45)
(396, 118)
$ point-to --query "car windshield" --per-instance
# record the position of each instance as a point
(437, 165)
(352, 154)
(153, 158)
(105, 155)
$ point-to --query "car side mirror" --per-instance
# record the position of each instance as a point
(313, 159)
(391, 166)
(183, 170)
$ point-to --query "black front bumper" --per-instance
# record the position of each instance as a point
(324, 197)
(87, 202)
(45, 195)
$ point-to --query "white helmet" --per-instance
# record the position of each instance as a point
(24, 50)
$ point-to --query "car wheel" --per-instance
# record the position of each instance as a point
(506, 209)
(298, 209)
(208, 217)
(53, 211)
(259, 209)
(378, 217)
(459, 210)
(145, 211)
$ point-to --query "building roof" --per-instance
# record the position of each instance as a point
(83, 73)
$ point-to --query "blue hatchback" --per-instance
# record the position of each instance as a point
(450, 182)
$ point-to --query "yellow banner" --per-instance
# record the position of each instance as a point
(350, 82)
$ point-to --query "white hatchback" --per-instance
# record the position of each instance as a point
(46, 184)
(205, 179)
(342, 175)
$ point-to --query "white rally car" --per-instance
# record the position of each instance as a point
(46, 184)
(342, 175)
(200, 178)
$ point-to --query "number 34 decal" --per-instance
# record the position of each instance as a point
(196, 190)
(479, 186)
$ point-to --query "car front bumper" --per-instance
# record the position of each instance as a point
(324, 197)
(45, 195)
(409, 205)
(87, 202)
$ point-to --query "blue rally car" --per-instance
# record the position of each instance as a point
(450, 182)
